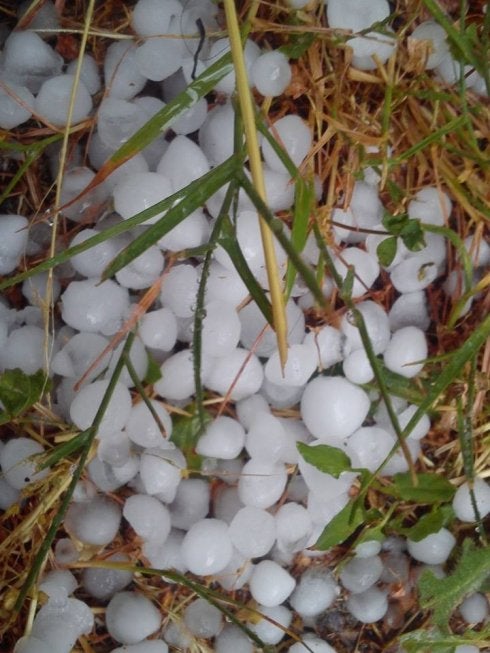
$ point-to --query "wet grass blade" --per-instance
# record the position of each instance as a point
(304, 201)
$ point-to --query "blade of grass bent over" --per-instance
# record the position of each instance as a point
(248, 116)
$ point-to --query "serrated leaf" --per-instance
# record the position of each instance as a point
(434, 641)
(19, 391)
(386, 251)
(443, 595)
(329, 460)
(341, 527)
(430, 488)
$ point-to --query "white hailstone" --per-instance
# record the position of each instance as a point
(158, 329)
(178, 636)
(365, 268)
(8, 494)
(368, 549)
(79, 353)
(179, 290)
(30, 644)
(466, 648)
(294, 136)
(24, 349)
(140, 192)
(314, 593)
(240, 369)
(16, 104)
(312, 644)
(114, 448)
(434, 549)
(297, 4)
(406, 351)
(143, 271)
(248, 408)
(281, 396)
(357, 368)
(295, 431)
(422, 427)
(102, 583)
(60, 627)
(89, 73)
(130, 617)
(398, 463)
(478, 249)
(142, 428)
(74, 182)
(410, 309)
(293, 526)
(325, 486)
(370, 48)
(333, 408)
(253, 531)
(191, 503)
(183, 162)
(13, 241)
(168, 554)
(430, 205)
(207, 548)
(449, 70)
(161, 471)
(300, 364)
(266, 629)
(216, 134)
(327, 344)
(377, 326)
(29, 61)
(152, 17)
(261, 483)
(148, 517)
(271, 73)
(18, 461)
(364, 212)
(226, 503)
(121, 75)
(191, 232)
(435, 36)
(251, 52)
(369, 446)
(223, 438)
(93, 522)
(203, 619)
(231, 638)
(117, 121)
(359, 574)
(270, 584)
(86, 403)
(225, 285)
(369, 606)
(462, 504)
(149, 106)
(266, 438)
(58, 585)
(35, 290)
(145, 646)
(95, 307)
(220, 329)
(44, 17)
(253, 323)
(474, 609)
(159, 57)
(135, 165)
(279, 190)
(177, 382)
(413, 274)
(236, 574)
(192, 119)
(93, 261)
(356, 15)
(54, 99)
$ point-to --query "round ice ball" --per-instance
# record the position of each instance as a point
(430, 205)
(191, 503)
(207, 547)
(18, 462)
(94, 522)
(35, 289)
(270, 584)
(463, 506)
(436, 38)
(30, 644)
(139, 192)
(24, 349)
(143, 271)
(102, 583)
(182, 163)
(266, 438)
(86, 403)
(356, 15)
(300, 364)
(357, 367)
(143, 429)
(161, 471)
(178, 382)
(369, 446)
(223, 438)
(147, 516)
(413, 274)
(130, 617)
(53, 101)
(292, 134)
(145, 646)
(241, 368)
(158, 58)
(93, 261)
(267, 630)
(377, 326)
(60, 626)
(16, 104)
(152, 17)
(179, 290)
(13, 241)
(434, 549)
(121, 75)
(369, 606)
(261, 483)
(231, 638)
(474, 609)
(410, 309)
(79, 354)
(315, 592)
(158, 329)
(406, 351)
(327, 343)
(294, 527)
(220, 329)
(314, 644)
(253, 531)
(360, 573)
(271, 73)
(89, 73)
(203, 619)
(29, 60)
(251, 52)
(365, 267)
(332, 407)
(216, 134)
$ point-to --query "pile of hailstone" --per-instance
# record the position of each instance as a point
(246, 534)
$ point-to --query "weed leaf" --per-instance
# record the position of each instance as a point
(19, 391)
(430, 488)
(346, 522)
(329, 460)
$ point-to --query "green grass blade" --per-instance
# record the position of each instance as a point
(304, 201)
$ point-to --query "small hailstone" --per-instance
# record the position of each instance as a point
(60, 626)
(292, 134)
(58, 585)
(143, 271)
(192, 119)
(294, 526)
(271, 73)
(368, 549)
(356, 15)
(93, 522)
(191, 232)
(65, 551)
(312, 644)
(30, 644)
(177, 381)
(24, 349)
(223, 438)
(220, 329)
(436, 37)
(145, 646)
(207, 547)
(225, 285)
(135, 165)
(89, 73)
(161, 471)
(430, 205)
(16, 104)
(18, 462)
(166, 555)
(142, 428)
(147, 516)
(251, 52)
(102, 583)
(315, 592)
(422, 427)
(326, 342)
(183, 162)
(93, 261)
(139, 192)
(87, 402)
(325, 486)
(369, 446)
(74, 182)
(474, 609)
(13, 241)
(267, 630)
(365, 267)
(53, 101)
(44, 17)
(261, 483)
(371, 48)
(281, 396)
(369, 606)
(236, 574)
(466, 648)
(159, 57)
(29, 61)
(8, 494)
(79, 353)
(203, 619)
(179, 290)
(248, 408)
(357, 367)
(232, 638)
(226, 503)
(241, 368)
(300, 364)
(279, 190)
(121, 75)
(410, 309)
(117, 121)
(413, 274)
(332, 407)
(434, 549)
(191, 503)
(266, 438)
(114, 448)
(479, 250)
(270, 584)
(130, 617)
(406, 352)
(253, 531)
(359, 574)
(376, 323)
(152, 17)
(216, 134)
(35, 290)
(364, 212)
(463, 506)
(93, 307)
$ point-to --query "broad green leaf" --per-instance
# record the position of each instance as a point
(412, 235)
(443, 595)
(329, 460)
(341, 527)
(432, 640)
(153, 373)
(185, 434)
(298, 44)
(19, 391)
(430, 523)
(304, 200)
(386, 251)
(430, 488)
(394, 223)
